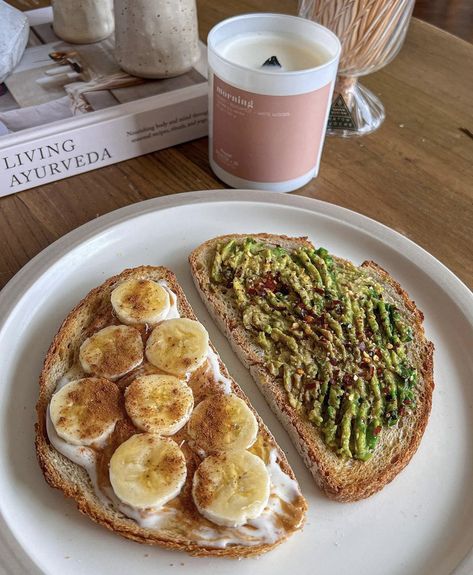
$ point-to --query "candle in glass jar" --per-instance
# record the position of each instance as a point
(271, 81)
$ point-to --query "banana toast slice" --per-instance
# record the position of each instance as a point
(140, 423)
(338, 351)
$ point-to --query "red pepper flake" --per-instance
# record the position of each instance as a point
(267, 283)
(309, 319)
(334, 305)
(347, 380)
(377, 430)
(407, 402)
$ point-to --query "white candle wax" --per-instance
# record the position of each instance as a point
(252, 50)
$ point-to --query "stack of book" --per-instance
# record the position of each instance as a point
(68, 109)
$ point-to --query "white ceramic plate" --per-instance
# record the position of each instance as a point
(421, 524)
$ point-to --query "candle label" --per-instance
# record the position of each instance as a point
(265, 138)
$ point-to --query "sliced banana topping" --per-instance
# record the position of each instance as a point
(140, 301)
(223, 423)
(159, 403)
(112, 352)
(147, 471)
(231, 488)
(178, 346)
(85, 411)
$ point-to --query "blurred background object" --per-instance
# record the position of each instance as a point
(56, 80)
(454, 16)
(14, 31)
(156, 38)
(83, 21)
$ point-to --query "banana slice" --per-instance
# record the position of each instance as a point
(231, 488)
(147, 471)
(159, 403)
(140, 301)
(85, 411)
(112, 351)
(178, 346)
(223, 423)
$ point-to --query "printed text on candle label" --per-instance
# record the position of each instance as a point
(267, 138)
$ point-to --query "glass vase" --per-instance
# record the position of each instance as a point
(371, 33)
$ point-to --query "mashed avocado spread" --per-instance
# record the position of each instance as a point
(326, 330)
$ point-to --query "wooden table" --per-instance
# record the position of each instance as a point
(415, 174)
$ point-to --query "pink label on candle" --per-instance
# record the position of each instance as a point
(267, 138)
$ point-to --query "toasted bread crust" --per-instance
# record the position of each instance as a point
(340, 480)
(72, 479)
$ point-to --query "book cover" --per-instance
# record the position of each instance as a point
(69, 108)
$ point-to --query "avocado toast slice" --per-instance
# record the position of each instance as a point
(338, 351)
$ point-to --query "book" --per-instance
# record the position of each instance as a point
(69, 108)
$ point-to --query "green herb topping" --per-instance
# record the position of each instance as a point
(328, 334)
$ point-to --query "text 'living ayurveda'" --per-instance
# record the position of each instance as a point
(45, 162)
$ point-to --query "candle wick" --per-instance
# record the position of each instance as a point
(273, 61)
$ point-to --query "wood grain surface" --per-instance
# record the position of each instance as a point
(455, 16)
(415, 174)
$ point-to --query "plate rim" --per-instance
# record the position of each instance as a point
(52, 253)
(16, 288)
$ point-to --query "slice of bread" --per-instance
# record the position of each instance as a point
(343, 479)
(185, 533)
